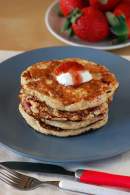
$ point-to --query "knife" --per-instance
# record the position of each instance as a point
(85, 176)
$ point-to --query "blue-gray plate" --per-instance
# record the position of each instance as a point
(111, 140)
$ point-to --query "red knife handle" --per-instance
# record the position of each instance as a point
(102, 178)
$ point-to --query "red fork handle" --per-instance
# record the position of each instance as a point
(102, 178)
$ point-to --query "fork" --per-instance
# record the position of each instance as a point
(25, 182)
(21, 181)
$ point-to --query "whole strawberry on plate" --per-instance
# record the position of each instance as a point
(89, 24)
(104, 5)
(66, 6)
(123, 9)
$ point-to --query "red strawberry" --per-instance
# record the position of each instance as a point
(104, 5)
(91, 26)
(125, 1)
(123, 9)
(67, 6)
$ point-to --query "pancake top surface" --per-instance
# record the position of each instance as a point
(39, 80)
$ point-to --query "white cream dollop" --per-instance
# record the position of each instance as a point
(86, 76)
(67, 78)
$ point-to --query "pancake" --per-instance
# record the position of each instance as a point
(39, 81)
(50, 130)
(55, 109)
(40, 110)
(73, 125)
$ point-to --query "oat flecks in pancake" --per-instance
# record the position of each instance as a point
(74, 125)
(39, 80)
(41, 110)
(49, 130)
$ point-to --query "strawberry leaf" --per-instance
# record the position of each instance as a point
(112, 19)
(57, 10)
(103, 1)
(70, 32)
(73, 16)
(74, 12)
(118, 26)
(66, 26)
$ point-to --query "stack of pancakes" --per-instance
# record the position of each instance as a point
(55, 109)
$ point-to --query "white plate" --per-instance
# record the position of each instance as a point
(54, 24)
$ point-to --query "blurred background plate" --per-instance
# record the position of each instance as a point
(54, 24)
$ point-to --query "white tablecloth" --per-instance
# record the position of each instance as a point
(119, 164)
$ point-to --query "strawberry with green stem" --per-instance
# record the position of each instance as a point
(89, 24)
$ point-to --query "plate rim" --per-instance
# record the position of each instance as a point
(47, 160)
(55, 34)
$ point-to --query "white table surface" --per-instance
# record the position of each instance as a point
(119, 164)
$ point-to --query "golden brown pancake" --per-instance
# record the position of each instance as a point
(50, 130)
(39, 80)
(73, 125)
(40, 110)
